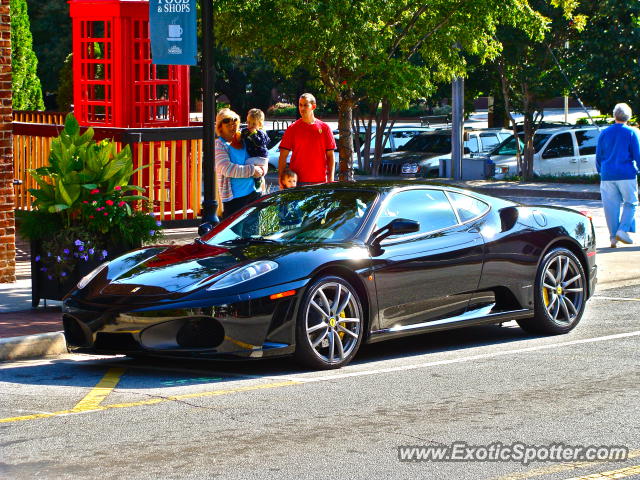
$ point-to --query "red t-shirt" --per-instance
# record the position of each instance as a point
(309, 143)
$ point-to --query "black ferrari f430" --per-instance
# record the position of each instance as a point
(315, 271)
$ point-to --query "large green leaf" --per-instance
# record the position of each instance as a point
(58, 208)
(71, 125)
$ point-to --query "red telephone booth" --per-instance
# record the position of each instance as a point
(114, 82)
(116, 85)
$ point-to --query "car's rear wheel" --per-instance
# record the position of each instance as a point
(560, 294)
(330, 326)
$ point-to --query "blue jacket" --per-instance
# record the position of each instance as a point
(618, 153)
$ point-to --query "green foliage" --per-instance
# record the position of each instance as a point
(602, 59)
(85, 189)
(51, 29)
(65, 85)
(27, 93)
(78, 166)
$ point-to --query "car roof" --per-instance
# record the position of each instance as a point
(551, 130)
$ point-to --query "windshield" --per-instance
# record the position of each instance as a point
(299, 216)
(508, 147)
(428, 143)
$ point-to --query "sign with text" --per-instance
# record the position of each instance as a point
(172, 29)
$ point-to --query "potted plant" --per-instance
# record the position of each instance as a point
(86, 212)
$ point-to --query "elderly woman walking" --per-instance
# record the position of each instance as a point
(617, 161)
(235, 176)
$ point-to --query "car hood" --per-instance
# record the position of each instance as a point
(403, 156)
(181, 269)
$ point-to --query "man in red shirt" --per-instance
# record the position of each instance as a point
(312, 144)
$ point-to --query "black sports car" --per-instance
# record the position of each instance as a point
(315, 271)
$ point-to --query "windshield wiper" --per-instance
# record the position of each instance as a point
(236, 241)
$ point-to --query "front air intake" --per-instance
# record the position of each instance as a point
(183, 333)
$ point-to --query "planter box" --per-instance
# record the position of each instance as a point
(57, 288)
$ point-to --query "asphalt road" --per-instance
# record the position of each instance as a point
(91, 417)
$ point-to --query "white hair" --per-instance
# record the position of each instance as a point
(622, 112)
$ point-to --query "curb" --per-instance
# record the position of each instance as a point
(32, 346)
(530, 192)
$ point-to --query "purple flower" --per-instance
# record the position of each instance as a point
(78, 243)
(58, 259)
(63, 274)
(43, 269)
(152, 232)
(80, 248)
(104, 254)
(66, 251)
(49, 277)
(158, 223)
(37, 259)
(91, 250)
(48, 254)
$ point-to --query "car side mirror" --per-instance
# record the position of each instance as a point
(398, 226)
(508, 218)
(205, 228)
(466, 150)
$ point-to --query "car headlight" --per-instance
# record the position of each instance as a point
(243, 274)
(84, 281)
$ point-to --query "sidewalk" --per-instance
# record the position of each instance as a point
(35, 333)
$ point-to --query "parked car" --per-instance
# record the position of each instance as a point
(316, 271)
(558, 151)
(274, 157)
(399, 137)
(422, 154)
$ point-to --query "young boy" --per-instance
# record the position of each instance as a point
(289, 178)
(256, 141)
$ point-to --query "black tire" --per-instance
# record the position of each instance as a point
(560, 294)
(330, 326)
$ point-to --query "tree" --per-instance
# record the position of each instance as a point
(392, 50)
(27, 93)
(51, 30)
(602, 60)
(527, 72)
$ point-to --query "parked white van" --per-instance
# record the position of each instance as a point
(558, 151)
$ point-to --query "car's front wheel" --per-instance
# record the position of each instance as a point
(330, 326)
(560, 294)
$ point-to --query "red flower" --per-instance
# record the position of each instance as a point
(94, 191)
(90, 216)
(122, 203)
(109, 202)
(98, 209)
(106, 213)
(344, 82)
(85, 201)
(117, 187)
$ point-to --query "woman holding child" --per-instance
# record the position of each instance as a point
(239, 172)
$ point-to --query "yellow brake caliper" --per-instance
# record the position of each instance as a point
(342, 315)
(545, 296)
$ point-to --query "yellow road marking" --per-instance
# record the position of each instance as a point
(561, 467)
(613, 474)
(98, 393)
(153, 401)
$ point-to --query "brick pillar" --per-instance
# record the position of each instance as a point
(7, 220)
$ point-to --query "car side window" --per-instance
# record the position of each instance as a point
(587, 141)
(560, 146)
(472, 144)
(430, 208)
(489, 140)
(467, 207)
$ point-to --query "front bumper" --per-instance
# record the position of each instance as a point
(249, 328)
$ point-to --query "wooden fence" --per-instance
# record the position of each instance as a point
(173, 178)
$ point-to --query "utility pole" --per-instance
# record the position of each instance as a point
(209, 203)
(457, 127)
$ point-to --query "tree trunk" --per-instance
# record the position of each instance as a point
(507, 107)
(382, 120)
(345, 141)
(527, 162)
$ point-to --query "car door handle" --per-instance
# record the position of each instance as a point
(585, 160)
(573, 161)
